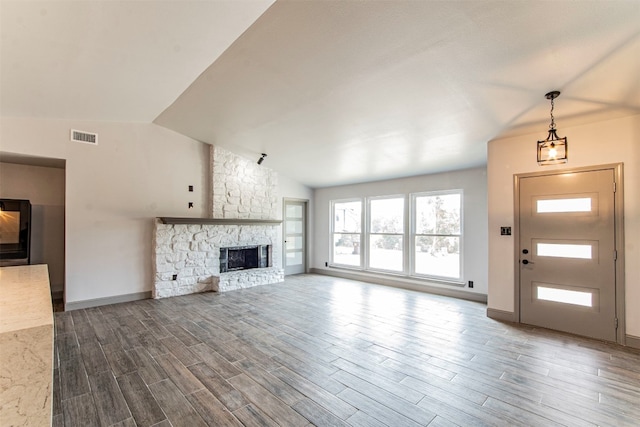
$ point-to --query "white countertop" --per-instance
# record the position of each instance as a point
(25, 298)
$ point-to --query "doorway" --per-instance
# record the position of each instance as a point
(42, 181)
(295, 236)
(569, 234)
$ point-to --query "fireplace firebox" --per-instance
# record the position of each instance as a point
(245, 257)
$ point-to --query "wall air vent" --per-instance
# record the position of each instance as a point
(86, 137)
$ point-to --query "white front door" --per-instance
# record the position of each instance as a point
(295, 226)
(567, 252)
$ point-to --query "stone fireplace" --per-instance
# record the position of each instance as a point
(203, 254)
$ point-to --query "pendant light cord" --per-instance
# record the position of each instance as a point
(552, 125)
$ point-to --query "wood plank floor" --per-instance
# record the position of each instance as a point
(317, 350)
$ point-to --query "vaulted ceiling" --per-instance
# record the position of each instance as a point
(333, 91)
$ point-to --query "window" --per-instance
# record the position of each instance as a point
(437, 237)
(566, 296)
(560, 250)
(386, 233)
(577, 204)
(347, 232)
(373, 234)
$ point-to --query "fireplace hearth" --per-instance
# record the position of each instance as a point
(245, 258)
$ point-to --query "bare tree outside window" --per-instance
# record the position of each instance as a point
(386, 234)
(347, 230)
(430, 247)
(437, 235)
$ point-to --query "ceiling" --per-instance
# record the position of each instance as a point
(334, 92)
(111, 60)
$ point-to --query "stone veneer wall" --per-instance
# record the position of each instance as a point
(192, 253)
(241, 188)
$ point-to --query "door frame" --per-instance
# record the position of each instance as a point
(618, 172)
(305, 230)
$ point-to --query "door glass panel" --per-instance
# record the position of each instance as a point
(565, 296)
(294, 226)
(294, 242)
(294, 258)
(294, 211)
(564, 250)
(582, 204)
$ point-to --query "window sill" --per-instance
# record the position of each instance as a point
(449, 289)
(409, 278)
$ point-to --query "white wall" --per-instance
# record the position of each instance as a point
(291, 189)
(599, 143)
(44, 188)
(113, 192)
(471, 181)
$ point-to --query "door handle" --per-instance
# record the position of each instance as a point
(526, 261)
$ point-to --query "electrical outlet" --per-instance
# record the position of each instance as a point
(505, 231)
(471, 283)
(191, 188)
(190, 205)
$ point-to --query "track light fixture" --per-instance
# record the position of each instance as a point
(261, 159)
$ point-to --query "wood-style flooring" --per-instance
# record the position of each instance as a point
(317, 350)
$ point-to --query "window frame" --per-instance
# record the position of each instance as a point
(403, 234)
(409, 235)
(333, 233)
(414, 235)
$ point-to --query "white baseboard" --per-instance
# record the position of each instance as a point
(401, 283)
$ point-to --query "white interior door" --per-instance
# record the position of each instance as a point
(295, 226)
(567, 252)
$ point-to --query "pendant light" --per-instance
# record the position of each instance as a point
(553, 150)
